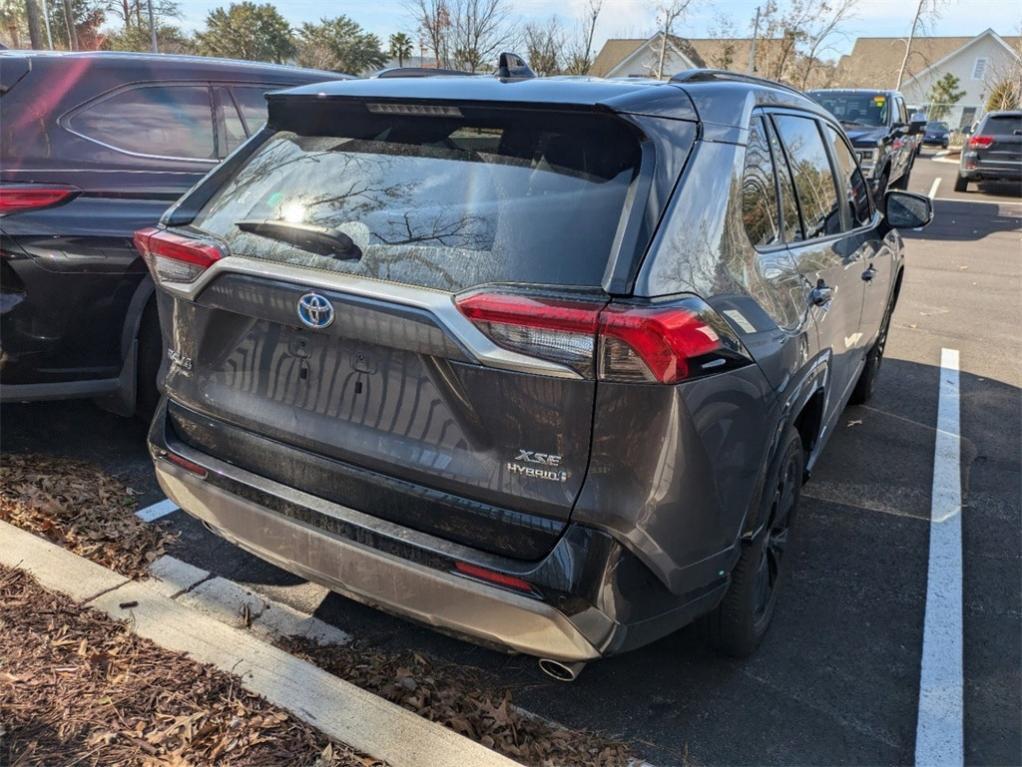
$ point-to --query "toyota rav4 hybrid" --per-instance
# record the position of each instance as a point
(540, 362)
(885, 139)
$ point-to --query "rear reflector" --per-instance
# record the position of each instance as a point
(190, 466)
(174, 258)
(981, 142)
(501, 579)
(19, 197)
(612, 342)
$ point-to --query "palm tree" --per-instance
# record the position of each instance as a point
(400, 47)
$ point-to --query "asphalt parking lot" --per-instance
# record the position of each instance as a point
(837, 679)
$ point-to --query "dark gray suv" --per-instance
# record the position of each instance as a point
(540, 362)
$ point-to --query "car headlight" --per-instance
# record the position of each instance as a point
(868, 157)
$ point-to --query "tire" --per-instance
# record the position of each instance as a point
(863, 391)
(150, 355)
(961, 184)
(738, 624)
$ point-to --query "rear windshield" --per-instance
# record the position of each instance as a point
(1003, 125)
(443, 202)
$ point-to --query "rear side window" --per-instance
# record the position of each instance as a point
(810, 169)
(759, 191)
(441, 202)
(1003, 125)
(164, 120)
(854, 194)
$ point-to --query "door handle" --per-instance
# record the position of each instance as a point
(870, 273)
(821, 294)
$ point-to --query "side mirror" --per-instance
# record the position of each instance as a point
(904, 210)
(916, 127)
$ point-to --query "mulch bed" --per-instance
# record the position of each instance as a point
(463, 700)
(80, 507)
(79, 688)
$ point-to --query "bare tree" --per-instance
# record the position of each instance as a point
(579, 57)
(433, 18)
(926, 11)
(667, 14)
(823, 27)
(543, 44)
(724, 32)
(480, 28)
(796, 34)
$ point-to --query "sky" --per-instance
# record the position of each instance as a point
(636, 18)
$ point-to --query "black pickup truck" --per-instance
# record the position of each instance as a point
(877, 123)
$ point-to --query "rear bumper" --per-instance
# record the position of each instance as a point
(592, 597)
(990, 171)
(440, 599)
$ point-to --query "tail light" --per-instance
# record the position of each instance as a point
(613, 342)
(173, 258)
(15, 198)
(981, 142)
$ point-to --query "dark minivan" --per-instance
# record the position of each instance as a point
(542, 362)
(92, 147)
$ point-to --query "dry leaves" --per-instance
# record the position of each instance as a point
(80, 507)
(77, 687)
(462, 700)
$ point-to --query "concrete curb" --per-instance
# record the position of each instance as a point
(336, 708)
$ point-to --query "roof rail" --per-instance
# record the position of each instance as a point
(699, 75)
(419, 72)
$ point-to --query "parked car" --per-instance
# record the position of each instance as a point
(937, 134)
(540, 362)
(993, 151)
(878, 124)
(92, 147)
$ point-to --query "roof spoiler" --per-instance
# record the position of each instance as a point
(510, 66)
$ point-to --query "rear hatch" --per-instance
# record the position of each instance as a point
(999, 143)
(350, 341)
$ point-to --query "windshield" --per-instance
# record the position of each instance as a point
(868, 110)
(437, 202)
(936, 126)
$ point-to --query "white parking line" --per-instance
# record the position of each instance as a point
(939, 729)
(157, 510)
(933, 187)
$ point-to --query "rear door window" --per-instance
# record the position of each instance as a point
(442, 202)
(252, 103)
(791, 224)
(234, 128)
(855, 195)
(759, 190)
(814, 180)
(174, 121)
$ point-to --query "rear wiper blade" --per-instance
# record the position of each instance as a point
(320, 240)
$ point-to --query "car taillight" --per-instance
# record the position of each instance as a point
(981, 142)
(613, 342)
(15, 198)
(173, 257)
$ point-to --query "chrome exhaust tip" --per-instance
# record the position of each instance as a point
(562, 672)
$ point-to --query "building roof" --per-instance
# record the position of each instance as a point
(717, 53)
(874, 61)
